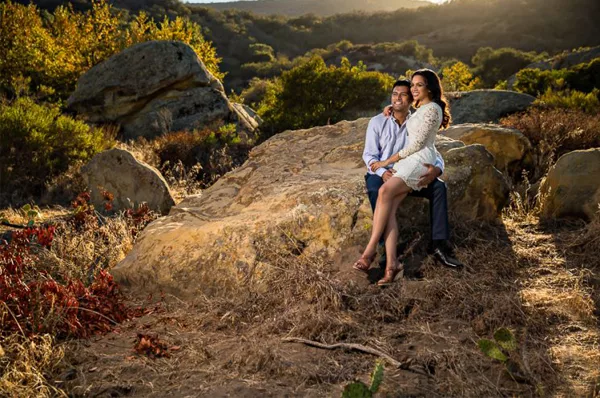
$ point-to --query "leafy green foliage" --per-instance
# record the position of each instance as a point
(505, 339)
(358, 389)
(37, 142)
(493, 65)
(572, 99)
(458, 77)
(491, 349)
(573, 88)
(376, 377)
(49, 52)
(584, 77)
(315, 94)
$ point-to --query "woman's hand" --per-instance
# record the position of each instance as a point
(387, 111)
(378, 165)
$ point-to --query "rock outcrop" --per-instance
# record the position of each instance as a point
(303, 189)
(572, 187)
(128, 179)
(511, 149)
(485, 106)
(152, 88)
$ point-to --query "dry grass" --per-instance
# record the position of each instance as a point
(29, 360)
(554, 132)
(26, 363)
(538, 279)
(538, 283)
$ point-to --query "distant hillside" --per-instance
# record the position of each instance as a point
(452, 30)
(317, 7)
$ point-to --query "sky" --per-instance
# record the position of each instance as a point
(225, 1)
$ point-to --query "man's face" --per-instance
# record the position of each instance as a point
(401, 98)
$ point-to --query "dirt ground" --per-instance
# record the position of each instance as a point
(540, 281)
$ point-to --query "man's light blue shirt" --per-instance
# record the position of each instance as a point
(385, 138)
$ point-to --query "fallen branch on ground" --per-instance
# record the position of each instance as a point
(406, 364)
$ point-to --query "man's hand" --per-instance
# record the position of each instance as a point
(377, 165)
(387, 111)
(431, 174)
(387, 175)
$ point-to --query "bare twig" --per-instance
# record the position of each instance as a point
(99, 314)
(358, 347)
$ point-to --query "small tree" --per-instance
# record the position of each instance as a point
(315, 94)
(458, 77)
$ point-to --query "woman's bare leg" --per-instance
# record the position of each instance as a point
(391, 190)
(391, 234)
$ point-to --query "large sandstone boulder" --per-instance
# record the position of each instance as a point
(572, 187)
(484, 106)
(476, 189)
(300, 191)
(128, 179)
(511, 149)
(153, 88)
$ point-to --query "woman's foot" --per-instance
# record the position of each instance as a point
(391, 273)
(364, 263)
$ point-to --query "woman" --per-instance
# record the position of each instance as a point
(432, 113)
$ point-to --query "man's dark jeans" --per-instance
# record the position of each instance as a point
(434, 192)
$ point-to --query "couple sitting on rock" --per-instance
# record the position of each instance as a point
(402, 160)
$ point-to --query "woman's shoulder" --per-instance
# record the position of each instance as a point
(430, 108)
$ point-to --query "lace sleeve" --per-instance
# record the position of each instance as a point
(429, 123)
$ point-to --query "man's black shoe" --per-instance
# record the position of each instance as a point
(447, 258)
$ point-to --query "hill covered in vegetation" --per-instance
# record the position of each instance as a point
(317, 7)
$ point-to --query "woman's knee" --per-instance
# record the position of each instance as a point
(386, 191)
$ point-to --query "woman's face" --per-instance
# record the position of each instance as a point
(418, 88)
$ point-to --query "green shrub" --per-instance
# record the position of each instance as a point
(458, 77)
(571, 99)
(584, 77)
(314, 94)
(37, 143)
(493, 65)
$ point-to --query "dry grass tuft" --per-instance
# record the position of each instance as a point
(554, 132)
(26, 363)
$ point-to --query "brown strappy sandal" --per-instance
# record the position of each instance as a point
(391, 274)
(364, 263)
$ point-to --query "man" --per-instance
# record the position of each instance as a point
(388, 135)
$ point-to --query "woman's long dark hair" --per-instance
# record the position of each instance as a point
(437, 93)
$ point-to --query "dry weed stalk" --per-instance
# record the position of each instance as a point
(25, 364)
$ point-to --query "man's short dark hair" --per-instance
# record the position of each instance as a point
(405, 83)
(402, 82)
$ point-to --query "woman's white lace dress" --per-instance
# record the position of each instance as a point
(422, 127)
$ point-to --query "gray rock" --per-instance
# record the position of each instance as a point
(572, 187)
(152, 88)
(128, 179)
(444, 144)
(476, 189)
(510, 148)
(485, 106)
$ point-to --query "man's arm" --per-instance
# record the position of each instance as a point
(439, 162)
(372, 151)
